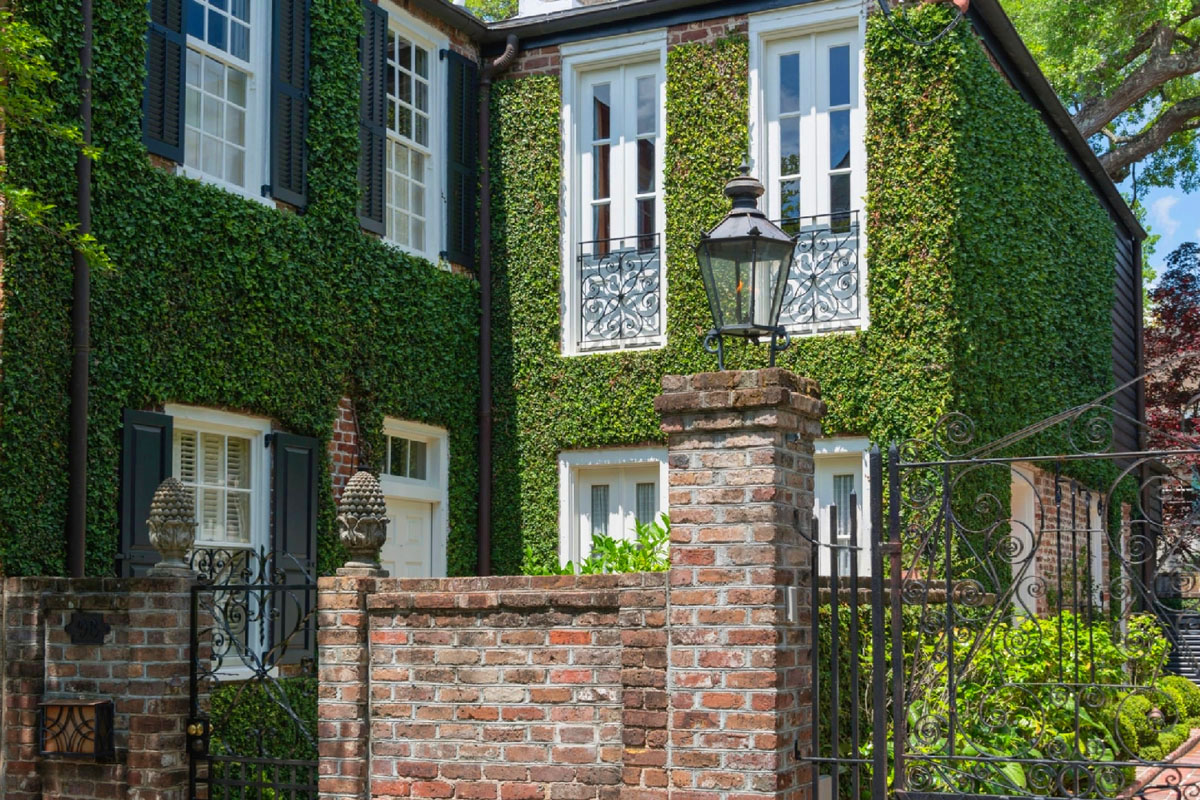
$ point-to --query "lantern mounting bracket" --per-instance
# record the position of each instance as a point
(714, 343)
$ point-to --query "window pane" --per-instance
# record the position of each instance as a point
(214, 77)
(647, 503)
(403, 53)
(239, 41)
(839, 139)
(645, 221)
(236, 84)
(185, 445)
(195, 19)
(240, 9)
(646, 106)
(600, 222)
(235, 126)
(422, 65)
(237, 517)
(211, 516)
(839, 193)
(645, 165)
(843, 487)
(599, 511)
(398, 456)
(238, 463)
(601, 108)
(789, 83)
(235, 166)
(216, 29)
(210, 156)
(839, 75)
(417, 459)
(789, 199)
(789, 146)
(600, 167)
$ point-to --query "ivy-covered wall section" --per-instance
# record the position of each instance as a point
(216, 300)
(990, 278)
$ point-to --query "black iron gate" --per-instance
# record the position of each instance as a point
(252, 726)
(1014, 634)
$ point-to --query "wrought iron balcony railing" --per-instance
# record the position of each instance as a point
(620, 291)
(824, 287)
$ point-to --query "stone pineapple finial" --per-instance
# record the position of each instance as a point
(362, 525)
(172, 525)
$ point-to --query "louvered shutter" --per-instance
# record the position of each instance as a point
(372, 115)
(289, 101)
(145, 463)
(462, 87)
(162, 97)
(294, 545)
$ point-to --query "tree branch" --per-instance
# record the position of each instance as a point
(1160, 66)
(1184, 115)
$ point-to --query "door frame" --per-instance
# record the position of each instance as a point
(435, 490)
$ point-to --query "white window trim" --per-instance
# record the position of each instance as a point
(839, 448)
(768, 27)
(569, 464)
(258, 108)
(435, 490)
(579, 58)
(399, 21)
(210, 420)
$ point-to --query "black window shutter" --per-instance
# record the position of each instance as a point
(162, 96)
(145, 463)
(289, 101)
(294, 545)
(372, 113)
(462, 87)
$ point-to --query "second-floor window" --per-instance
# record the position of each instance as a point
(227, 44)
(408, 148)
(815, 173)
(615, 290)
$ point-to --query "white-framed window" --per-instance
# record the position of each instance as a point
(226, 94)
(416, 488)
(605, 492)
(222, 460)
(841, 487)
(412, 187)
(807, 126)
(614, 132)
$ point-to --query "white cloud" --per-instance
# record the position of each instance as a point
(1160, 214)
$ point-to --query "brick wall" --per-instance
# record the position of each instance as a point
(344, 455)
(508, 688)
(691, 683)
(143, 666)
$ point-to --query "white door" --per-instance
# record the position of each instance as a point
(408, 551)
(611, 500)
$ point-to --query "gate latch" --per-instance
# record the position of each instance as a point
(198, 732)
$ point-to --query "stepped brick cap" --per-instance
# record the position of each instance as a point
(714, 393)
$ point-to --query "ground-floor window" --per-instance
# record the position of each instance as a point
(415, 487)
(840, 488)
(606, 493)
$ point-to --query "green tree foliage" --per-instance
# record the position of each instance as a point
(492, 10)
(1129, 72)
(26, 102)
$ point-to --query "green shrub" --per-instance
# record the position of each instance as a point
(1186, 694)
(646, 552)
(280, 715)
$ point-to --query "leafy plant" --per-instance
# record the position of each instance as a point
(646, 552)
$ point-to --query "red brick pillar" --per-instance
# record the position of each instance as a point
(343, 655)
(740, 448)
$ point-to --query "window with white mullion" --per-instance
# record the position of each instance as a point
(222, 62)
(645, 158)
(408, 147)
(598, 157)
(216, 469)
(837, 128)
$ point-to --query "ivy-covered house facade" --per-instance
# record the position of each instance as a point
(460, 254)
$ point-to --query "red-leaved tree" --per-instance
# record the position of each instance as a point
(1172, 345)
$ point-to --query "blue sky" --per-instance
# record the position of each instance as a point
(1174, 216)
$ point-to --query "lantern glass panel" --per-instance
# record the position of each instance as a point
(745, 278)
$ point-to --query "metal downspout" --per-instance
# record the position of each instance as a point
(483, 535)
(81, 291)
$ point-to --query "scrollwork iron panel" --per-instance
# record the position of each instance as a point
(1033, 633)
(620, 291)
(824, 286)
